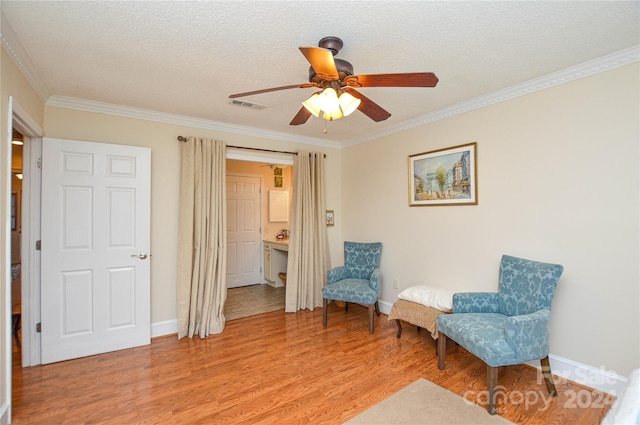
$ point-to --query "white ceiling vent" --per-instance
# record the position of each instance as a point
(247, 104)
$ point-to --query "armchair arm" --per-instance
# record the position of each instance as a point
(374, 281)
(528, 335)
(336, 274)
(476, 302)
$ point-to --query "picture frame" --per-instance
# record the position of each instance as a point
(446, 176)
(330, 218)
(277, 181)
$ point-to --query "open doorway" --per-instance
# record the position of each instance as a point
(256, 284)
(17, 143)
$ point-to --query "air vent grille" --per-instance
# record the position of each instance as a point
(247, 104)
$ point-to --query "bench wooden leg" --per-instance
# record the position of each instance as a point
(399, 334)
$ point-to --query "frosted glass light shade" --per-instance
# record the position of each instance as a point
(348, 103)
(333, 115)
(312, 105)
(328, 100)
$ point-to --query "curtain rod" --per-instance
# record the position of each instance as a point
(184, 139)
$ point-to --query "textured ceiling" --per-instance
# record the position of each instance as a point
(185, 58)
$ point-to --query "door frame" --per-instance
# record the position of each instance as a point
(30, 257)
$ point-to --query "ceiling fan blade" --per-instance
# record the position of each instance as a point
(293, 86)
(301, 117)
(368, 106)
(411, 79)
(322, 62)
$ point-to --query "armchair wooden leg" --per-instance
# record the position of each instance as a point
(442, 347)
(346, 306)
(399, 334)
(324, 312)
(377, 309)
(371, 319)
(492, 382)
(548, 377)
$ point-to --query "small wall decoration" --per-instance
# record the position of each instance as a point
(277, 181)
(444, 177)
(277, 171)
(330, 221)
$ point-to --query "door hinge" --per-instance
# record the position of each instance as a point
(38, 245)
(39, 162)
(39, 327)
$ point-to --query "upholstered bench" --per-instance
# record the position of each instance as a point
(420, 305)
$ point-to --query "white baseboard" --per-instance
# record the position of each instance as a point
(385, 307)
(167, 327)
(4, 414)
(588, 376)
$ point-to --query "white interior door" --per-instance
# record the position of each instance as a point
(95, 248)
(243, 231)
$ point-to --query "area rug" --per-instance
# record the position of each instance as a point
(424, 402)
(251, 300)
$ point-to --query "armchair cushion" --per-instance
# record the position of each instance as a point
(483, 334)
(351, 290)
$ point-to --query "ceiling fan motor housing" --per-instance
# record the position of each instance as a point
(332, 43)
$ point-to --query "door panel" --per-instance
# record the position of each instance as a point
(243, 231)
(95, 226)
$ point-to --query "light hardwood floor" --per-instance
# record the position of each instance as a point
(275, 368)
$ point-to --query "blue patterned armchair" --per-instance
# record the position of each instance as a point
(508, 327)
(358, 281)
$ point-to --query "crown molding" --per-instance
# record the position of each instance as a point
(22, 60)
(143, 114)
(603, 64)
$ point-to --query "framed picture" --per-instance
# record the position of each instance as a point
(330, 221)
(444, 177)
(277, 171)
(277, 181)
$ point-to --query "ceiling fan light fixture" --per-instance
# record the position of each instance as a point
(348, 103)
(328, 100)
(333, 115)
(312, 105)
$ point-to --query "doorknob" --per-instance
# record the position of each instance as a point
(141, 256)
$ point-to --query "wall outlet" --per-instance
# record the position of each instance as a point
(396, 283)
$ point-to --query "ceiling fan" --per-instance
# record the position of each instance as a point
(338, 96)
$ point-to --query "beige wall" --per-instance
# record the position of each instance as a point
(557, 181)
(12, 83)
(165, 169)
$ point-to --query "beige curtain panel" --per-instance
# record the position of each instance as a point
(202, 238)
(308, 261)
